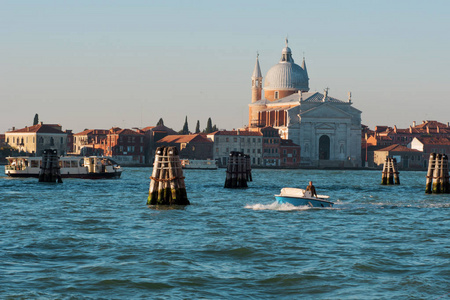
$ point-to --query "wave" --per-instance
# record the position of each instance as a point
(279, 207)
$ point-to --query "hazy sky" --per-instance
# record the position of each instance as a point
(98, 64)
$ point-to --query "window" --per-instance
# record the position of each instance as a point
(217, 139)
(253, 140)
(235, 139)
(295, 152)
(284, 151)
(259, 151)
(142, 149)
(62, 140)
(275, 95)
(254, 150)
(228, 139)
(142, 139)
(217, 150)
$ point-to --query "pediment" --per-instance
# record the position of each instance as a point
(325, 126)
(325, 110)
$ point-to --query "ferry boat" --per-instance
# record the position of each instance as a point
(91, 167)
(200, 164)
(300, 197)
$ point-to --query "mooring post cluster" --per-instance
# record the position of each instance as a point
(50, 170)
(390, 172)
(167, 181)
(238, 170)
(437, 175)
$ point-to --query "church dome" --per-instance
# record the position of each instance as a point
(286, 74)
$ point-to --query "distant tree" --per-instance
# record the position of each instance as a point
(36, 119)
(214, 128)
(197, 128)
(209, 127)
(185, 129)
(160, 122)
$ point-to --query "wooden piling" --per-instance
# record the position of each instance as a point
(50, 170)
(384, 173)
(395, 170)
(436, 174)
(389, 175)
(237, 173)
(167, 181)
(431, 167)
(445, 175)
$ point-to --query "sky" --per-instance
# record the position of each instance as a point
(99, 64)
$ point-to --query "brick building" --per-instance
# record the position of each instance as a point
(192, 146)
(90, 142)
(126, 146)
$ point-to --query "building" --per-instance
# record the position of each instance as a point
(386, 135)
(90, 142)
(126, 146)
(328, 130)
(192, 146)
(271, 147)
(407, 159)
(278, 152)
(2, 141)
(290, 154)
(152, 135)
(429, 145)
(248, 142)
(34, 139)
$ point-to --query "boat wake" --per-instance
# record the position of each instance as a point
(277, 206)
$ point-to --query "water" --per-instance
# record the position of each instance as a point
(86, 239)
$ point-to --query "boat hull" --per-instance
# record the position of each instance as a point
(110, 175)
(303, 201)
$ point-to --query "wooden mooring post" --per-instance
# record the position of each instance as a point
(238, 170)
(390, 172)
(50, 170)
(167, 181)
(437, 175)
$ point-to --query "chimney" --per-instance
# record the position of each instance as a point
(428, 129)
(414, 123)
(410, 129)
(437, 129)
(395, 128)
(423, 122)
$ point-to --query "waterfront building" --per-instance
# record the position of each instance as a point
(192, 146)
(126, 146)
(430, 145)
(327, 129)
(152, 135)
(90, 142)
(278, 152)
(2, 140)
(407, 159)
(248, 142)
(403, 136)
(34, 139)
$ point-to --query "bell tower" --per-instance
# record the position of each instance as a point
(256, 81)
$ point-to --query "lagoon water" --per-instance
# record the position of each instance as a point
(97, 239)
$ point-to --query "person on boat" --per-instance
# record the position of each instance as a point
(312, 189)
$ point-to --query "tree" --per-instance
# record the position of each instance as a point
(209, 127)
(197, 128)
(185, 127)
(160, 122)
(36, 119)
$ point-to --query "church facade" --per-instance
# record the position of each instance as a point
(327, 129)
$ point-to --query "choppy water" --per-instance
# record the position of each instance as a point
(87, 239)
